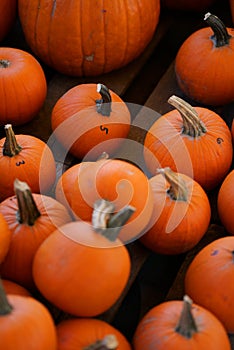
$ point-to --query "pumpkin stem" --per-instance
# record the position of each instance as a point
(220, 36)
(4, 63)
(192, 124)
(106, 222)
(10, 147)
(109, 342)
(5, 307)
(104, 104)
(178, 190)
(28, 211)
(186, 325)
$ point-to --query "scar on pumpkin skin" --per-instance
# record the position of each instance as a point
(89, 57)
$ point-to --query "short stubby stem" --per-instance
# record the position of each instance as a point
(104, 103)
(186, 325)
(10, 147)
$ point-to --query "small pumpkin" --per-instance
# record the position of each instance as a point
(5, 238)
(120, 183)
(232, 130)
(184, 5)
(90, 119)
(89, 267)
(194, 141)
(101, 38)
(208, 279)
(225, 202)
(181, 213)
(25, 323)
(28, 159)
(204, 64)
(8, 10)
(89, 334)
(23, 86)
(177, 324)
(31, 218)
(11, 287)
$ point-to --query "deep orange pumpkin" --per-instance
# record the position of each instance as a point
(232, 130)
(185, 5)
(8, 10)
(90, 270)
(120, 183)
(28, 159)
(86, 333)
(25, 323)
(191, 140)
(225, 202)
(181, 213)
(209, 280)
(85, 37)
(176, 325)
(23, 86)
(31, 218)
(90, 119)
(199, 59)
(11, 287)
(5, 238)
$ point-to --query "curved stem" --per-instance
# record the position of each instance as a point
(108, 223)
(178, 190)
(186, 325)
(5, 307)
(28, 211)
(109, 342)
(4, 63)
(104, 104)
(10, 147)
(192, 124)
(220, 36)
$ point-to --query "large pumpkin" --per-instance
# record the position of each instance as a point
(88, 37)
(225, 202)
(8, 9)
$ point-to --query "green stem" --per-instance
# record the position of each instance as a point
(220, 36)
(10, 147)
(28, 211)
(5, 307)
(178, 190)
(186, 325)
(109, 342)
(108, 223)
(192, 124)
(104, 104)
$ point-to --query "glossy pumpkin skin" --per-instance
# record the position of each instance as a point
(5, 238)
(197, 68)
(79, 333)
(17, 266)
(8, 10)
(11, 287)
(82, 130)
(183, 5)
(116, 26)
(29, 325)
(91, 271)
(225, 202)
(23, 100)
(34, 164)
(119, 182)
(207, 158)
(208, 274)
(176, 226)
(157, 329)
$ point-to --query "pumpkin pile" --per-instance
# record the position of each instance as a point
(65, 237)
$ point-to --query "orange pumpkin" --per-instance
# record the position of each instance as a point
(8, 10)
(176, 324)
(23, 100)
(28, 159)
(181, 213)
(25, 323)
(90, 119)
(31, 218)
(86, 333)
(198, 59)
(119, 182)
(191, 140)
(225, 202)
(11, 287)
(232, 130)
(95, 37)
(89, 271)
(5, 238)
(209, 277)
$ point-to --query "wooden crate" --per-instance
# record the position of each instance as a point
(147, 83)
